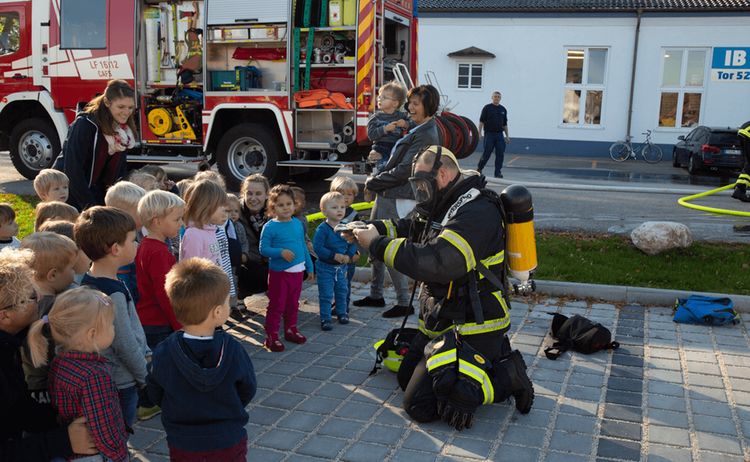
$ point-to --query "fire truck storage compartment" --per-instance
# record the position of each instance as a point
(247, 11)
(172, 42)
(323, 129)
(247, 57)
(332, 60)
(397, 37)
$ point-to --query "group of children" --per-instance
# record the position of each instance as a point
(124, 303)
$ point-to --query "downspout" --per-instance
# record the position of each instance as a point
(638, 13)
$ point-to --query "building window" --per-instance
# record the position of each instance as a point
(682, 87)
(470, 76)
(83, 24)
(585, 74)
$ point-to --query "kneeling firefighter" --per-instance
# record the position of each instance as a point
(453, 243)
(743, 181)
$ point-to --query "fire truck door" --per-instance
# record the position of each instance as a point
(15, 55)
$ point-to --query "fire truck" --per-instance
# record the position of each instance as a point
(255, 86)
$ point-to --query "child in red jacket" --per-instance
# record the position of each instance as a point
(161, 214)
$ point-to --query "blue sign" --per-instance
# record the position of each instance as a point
(731, 58)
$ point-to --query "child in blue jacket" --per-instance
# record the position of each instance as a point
(334, 256)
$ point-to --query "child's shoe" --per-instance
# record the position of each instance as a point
(294, 336)
(273, 344)
(343, 319)
(326, 325)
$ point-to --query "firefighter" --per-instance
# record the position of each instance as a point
(462, 357)
(743, 181)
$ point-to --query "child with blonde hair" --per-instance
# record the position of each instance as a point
(165, 184)
(81, 326)
(65, 228)
(253, 275)
(282, 241)
(300, 202)
(125, 195)
(161, 214)
(51, 185)
(349, 190)
(205, 214)
(334, 255)
(53, 259)
(53, 210)
(388, 124)
(107, 235)
(30, 429)
(8, 227)
(145, 180)
(201, 376)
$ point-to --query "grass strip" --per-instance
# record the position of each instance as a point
(588, 258)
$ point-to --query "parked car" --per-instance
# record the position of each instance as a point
(708, 148)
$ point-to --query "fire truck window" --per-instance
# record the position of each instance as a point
(9, 27)
(83, 24)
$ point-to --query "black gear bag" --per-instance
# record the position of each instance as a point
(579, 334)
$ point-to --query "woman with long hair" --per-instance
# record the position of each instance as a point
(94, 155)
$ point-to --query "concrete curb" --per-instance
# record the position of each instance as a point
(594, 187)
(626, 294)
(622, 294)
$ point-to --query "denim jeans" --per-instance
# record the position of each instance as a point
(129, 404)
(493, 141)
(333, 282)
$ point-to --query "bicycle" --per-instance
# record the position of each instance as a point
(622, 150)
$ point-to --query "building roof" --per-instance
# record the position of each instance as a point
(471, 52)
(581, 6)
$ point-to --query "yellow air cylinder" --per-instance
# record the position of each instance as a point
(520, 246)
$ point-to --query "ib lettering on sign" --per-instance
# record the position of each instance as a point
(731, 65)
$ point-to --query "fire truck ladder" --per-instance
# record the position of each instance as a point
(379, 44)
(401, 72)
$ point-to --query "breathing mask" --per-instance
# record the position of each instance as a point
(424, 184)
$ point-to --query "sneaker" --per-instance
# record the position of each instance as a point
(343, 319)
(273, 344)
(398, 311)
(369, 301)
(326, 325)
(145, 413)
(294, 336)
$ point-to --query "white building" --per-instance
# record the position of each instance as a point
(565, 67)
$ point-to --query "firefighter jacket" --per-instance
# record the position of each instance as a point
(467, 230)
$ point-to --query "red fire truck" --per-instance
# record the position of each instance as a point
(257, 86)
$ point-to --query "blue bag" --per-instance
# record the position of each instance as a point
(709, 311)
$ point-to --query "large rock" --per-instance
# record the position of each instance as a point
(653, 237)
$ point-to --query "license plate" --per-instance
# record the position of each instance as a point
(733, 152)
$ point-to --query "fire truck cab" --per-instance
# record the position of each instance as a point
(258, 86)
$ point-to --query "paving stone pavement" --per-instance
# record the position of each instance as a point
(671, 393)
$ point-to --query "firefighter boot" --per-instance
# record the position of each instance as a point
(510, 376)
(740, 192)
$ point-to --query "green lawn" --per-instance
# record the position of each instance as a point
(24, 207)
(709, 267)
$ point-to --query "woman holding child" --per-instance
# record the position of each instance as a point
(394, 198)
(94, 155)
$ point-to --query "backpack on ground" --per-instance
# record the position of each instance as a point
(579, 334)
(708, 311)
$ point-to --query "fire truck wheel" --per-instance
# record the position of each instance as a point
(245, 149)
(34, 145)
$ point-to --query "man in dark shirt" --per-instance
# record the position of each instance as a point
(494, 120)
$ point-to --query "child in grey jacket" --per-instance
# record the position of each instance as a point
(107, 236)
(387, 125)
